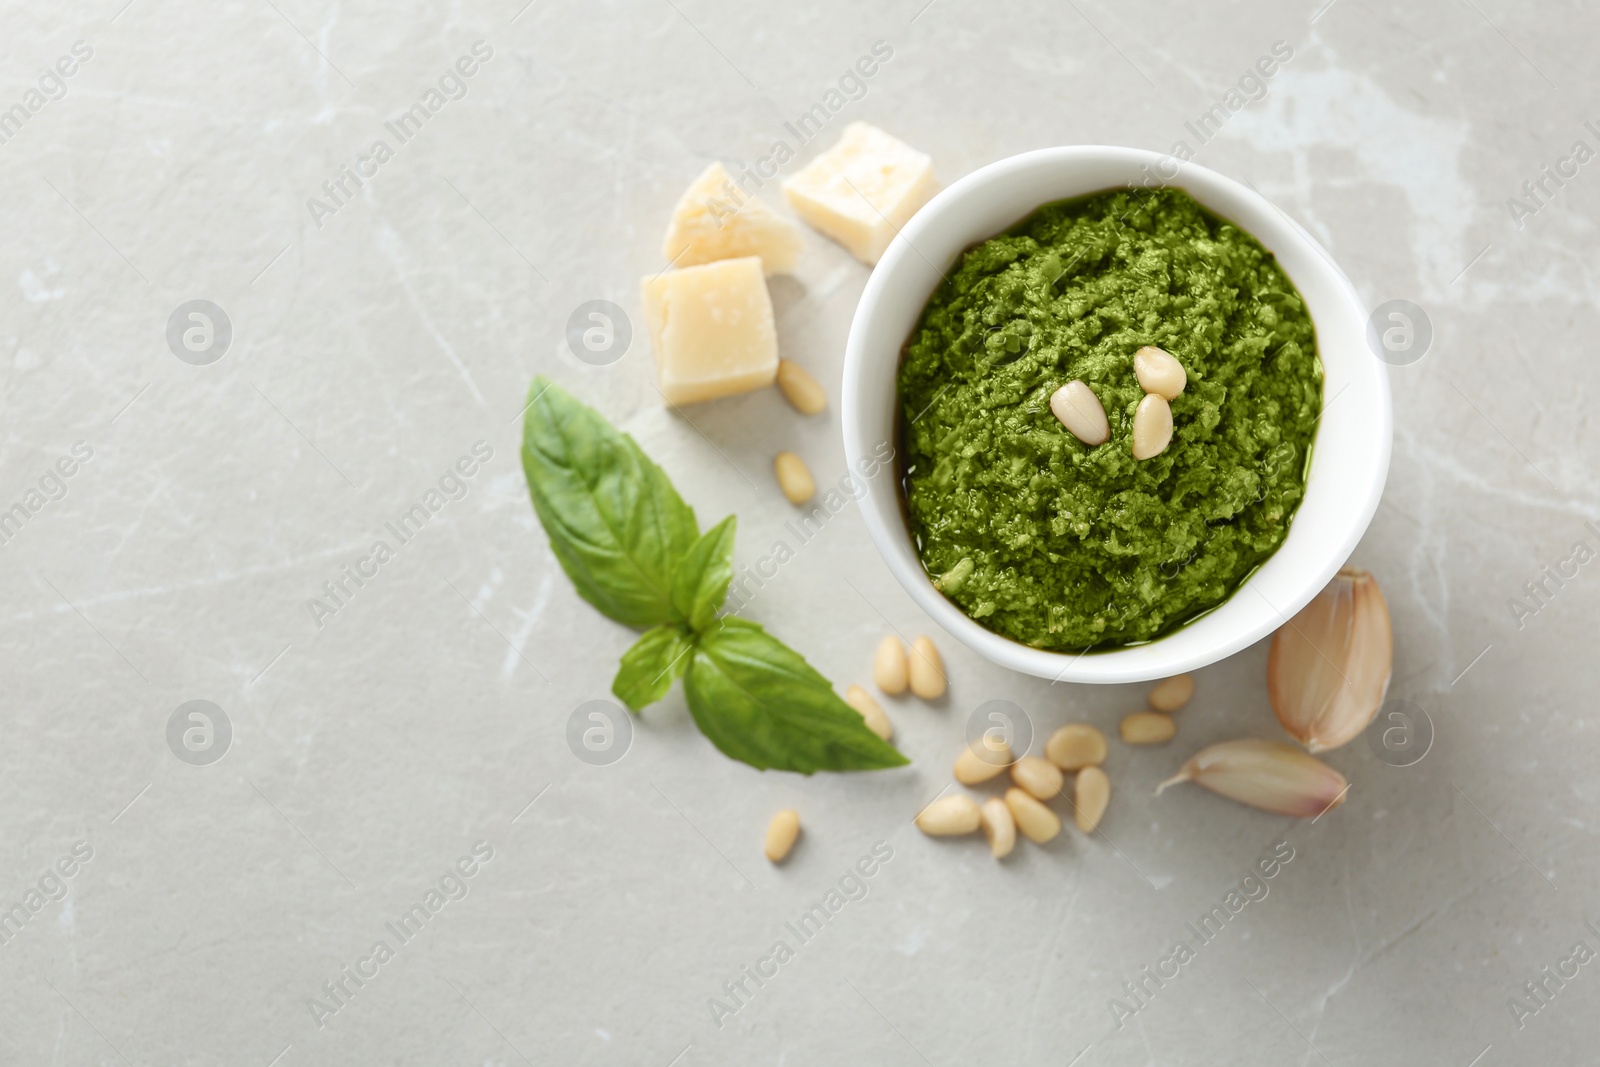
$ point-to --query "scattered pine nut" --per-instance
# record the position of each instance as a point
(1080, 411)
(1038, 776)
(1158, 371)
(1037, 822)
(927, 669)
(1152, 427)
(973, 766)
(1170, 694)
(890, 670)
(1148, 728)
(781, 832)
(949, 816)
(794, 477)
(999, 827)
(800, 388)
(1075, 746)
(862, 701)
(1090, 795)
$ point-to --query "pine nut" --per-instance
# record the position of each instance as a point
(802, 390)
(862, 701)
(1090, 794)
(927, 669)
(950, 816)
(1075, 746)
(1081, 413)
(1170, 694)
(999, 827)
(1038, 776)
(1152, 427)
(976, 765)
(1159, 372)
(794, 477)
(1148, 728)
(781, 832)
(889, 668)
(1037, 822)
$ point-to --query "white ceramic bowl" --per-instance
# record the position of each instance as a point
(1349, 462)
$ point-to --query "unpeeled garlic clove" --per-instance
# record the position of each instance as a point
(1270, 775)
(1329, 667)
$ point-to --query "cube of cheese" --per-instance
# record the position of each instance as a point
(712, 330)
(715, 219)
(863, 189)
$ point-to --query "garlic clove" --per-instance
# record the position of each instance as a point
(1270, 775)
(1329, 666)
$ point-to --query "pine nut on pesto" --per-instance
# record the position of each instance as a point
(1064, 545)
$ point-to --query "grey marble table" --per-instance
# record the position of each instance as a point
(394, 766)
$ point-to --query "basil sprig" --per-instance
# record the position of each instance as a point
(634, 550)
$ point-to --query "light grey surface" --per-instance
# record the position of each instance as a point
(371, 352)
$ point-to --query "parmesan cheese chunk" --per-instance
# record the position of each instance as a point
(715, 220)
(862, 190)
(711, 329)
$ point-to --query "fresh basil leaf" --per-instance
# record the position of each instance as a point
(651, 666)
(615, 522)
(761, 703)
(700, 584)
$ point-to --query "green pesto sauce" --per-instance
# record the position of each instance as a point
(1061, 545)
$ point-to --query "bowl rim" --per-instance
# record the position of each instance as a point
(1136, 662)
